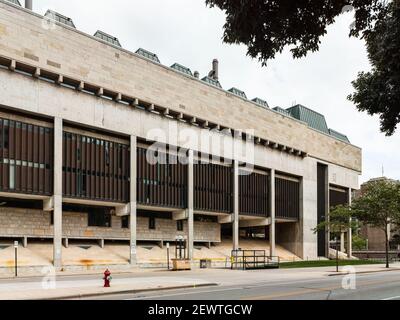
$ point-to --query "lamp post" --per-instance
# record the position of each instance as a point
(337, 254)
(16, 258)
(168, 255)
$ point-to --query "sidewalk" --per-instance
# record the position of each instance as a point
(69, 289)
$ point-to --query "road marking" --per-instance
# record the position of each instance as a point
(313, 290)
(392, 298)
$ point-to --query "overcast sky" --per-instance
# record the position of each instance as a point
(188, 32)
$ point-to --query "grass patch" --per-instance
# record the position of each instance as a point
(325, 263)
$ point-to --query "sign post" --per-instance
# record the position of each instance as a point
(16, 258)
(168, 255)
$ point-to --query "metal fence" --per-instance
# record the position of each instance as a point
(252, 259)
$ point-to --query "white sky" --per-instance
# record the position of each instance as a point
(188, 32)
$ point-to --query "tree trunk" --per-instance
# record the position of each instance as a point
(387, 248)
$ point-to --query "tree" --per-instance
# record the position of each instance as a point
(339, 221)
(266, 27)
(378, 91)
(379, 207)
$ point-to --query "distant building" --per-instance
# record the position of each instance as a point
(376, 237)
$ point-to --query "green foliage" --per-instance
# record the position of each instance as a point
(358, 242)
(378, 91)
(379, 204)
(379, 207)
(338, 222)
(266, 27)
(325, 263)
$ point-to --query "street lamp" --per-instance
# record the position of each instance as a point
(16, 258)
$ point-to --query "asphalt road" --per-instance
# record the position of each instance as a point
(373, 286)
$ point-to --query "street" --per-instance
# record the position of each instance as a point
(369, 287)
(374, 286)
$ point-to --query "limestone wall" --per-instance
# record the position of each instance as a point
(37, 223)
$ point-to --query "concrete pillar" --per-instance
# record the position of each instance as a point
(235, 223)
(327, 210)
(132, 203)
(342, 242)
(25, 242)
(272, 251)
(349, 233)
(190, 204)
(57, 193)
(101, 243)
(65, 242)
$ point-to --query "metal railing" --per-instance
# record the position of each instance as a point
(252, 259)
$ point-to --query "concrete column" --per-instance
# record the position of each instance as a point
(272, 251)
(327, 210)
(132, 203)
(190, 204)
(57, 193)
(235, 223)
(342, 242)
(349, 233)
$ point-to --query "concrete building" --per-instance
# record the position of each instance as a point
(79, 114)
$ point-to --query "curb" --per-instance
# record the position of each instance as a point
(133, 291)
(360, 272)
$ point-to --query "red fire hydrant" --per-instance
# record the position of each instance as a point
(107, 278)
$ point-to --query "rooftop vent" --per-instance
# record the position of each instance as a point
(148, 55)
(283, 111)
(338, 135)
(182, 69)
(261, 102)
(211, 81)
(15, 2)
(238, 92)
(108, 38)
(59, 18)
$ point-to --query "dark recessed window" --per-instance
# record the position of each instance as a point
(179, 225)
(99, 218)
(152, 223)
(125, 222)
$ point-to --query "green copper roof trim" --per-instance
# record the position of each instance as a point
(261, 102)
(283, 111)
(212, 82)
(59, 18)
(15, 2)
(108, 38)
(148, 55)
(339, 135)
(238, 92)
(312, 118)
(182, 69)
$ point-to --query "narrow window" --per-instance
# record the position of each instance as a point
(99, 218)
(6, 134)
(152, 223)
(125, 222)
(179, 225)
